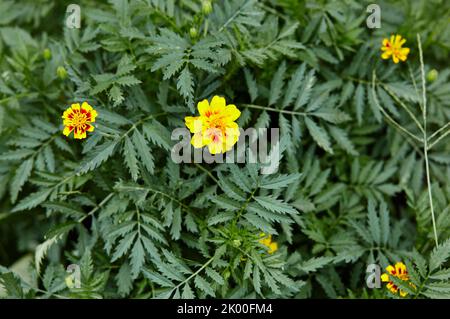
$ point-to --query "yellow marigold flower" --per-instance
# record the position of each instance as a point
(267, 241)
(393, 47)
(215, 127)
(399, 271)
(78, 119)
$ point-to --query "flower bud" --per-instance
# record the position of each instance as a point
(432, 75)
(61, 72)
(236, 243)
(193, 32)
(47, 54)
(206, 7)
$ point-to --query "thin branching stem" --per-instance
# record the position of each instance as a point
(394, 122)
(425, 139)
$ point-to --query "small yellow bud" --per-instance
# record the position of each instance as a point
(432, 75)
(206, 7)
(47, 54)
(61, 72)
(193, 32)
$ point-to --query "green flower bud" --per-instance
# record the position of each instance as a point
(236, 243)
(61, 72)
(193, 32)
(206, 7)
(432, 75)
(47, 54)
(226, 274)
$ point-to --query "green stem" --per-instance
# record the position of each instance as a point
(270, 109)
(207, 172)
(103, 202)
(238, 216)
(440, 138)
(425, 140)
(395, 123)
(194, 274)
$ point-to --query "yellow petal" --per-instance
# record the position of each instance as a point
(404, 51)
(203, 107)
(390, 269)
(75, 106)
(197, 140)
(395, 58)
(67, 131)
(386, 55)
(265, 241)
(232, 113)
(79, 134)
(85, 106)
(400, 268)
(231, 137)
(403, 293)
(218, 103)
(67, 113)
(91, 128)
(397, 40)
(273, 247)
(215, 147)
(385, 42)
(193, 123)
(384, 277)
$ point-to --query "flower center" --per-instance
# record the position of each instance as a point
(79, 119)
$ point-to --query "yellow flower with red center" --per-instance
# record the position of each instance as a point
(399, 271)
(79, 119)
(215, 127)
(267, 241)
(393, 47)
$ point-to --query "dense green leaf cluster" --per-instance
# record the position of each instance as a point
(364, 169)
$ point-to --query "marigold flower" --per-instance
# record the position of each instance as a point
(78, 119)
(399, 271)
(393, 47)
(215, 127)
(267, 241)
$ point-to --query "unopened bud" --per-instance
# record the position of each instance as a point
(206, 7)
(193, 32)
(432, 75)
(47, 54)
(236, 243)
(61, 72)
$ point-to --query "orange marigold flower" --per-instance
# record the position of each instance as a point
(215, 127)
(393, 47)
(399, 271)
(79, 119)
(267, 241)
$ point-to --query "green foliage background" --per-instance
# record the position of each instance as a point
(356, 139)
